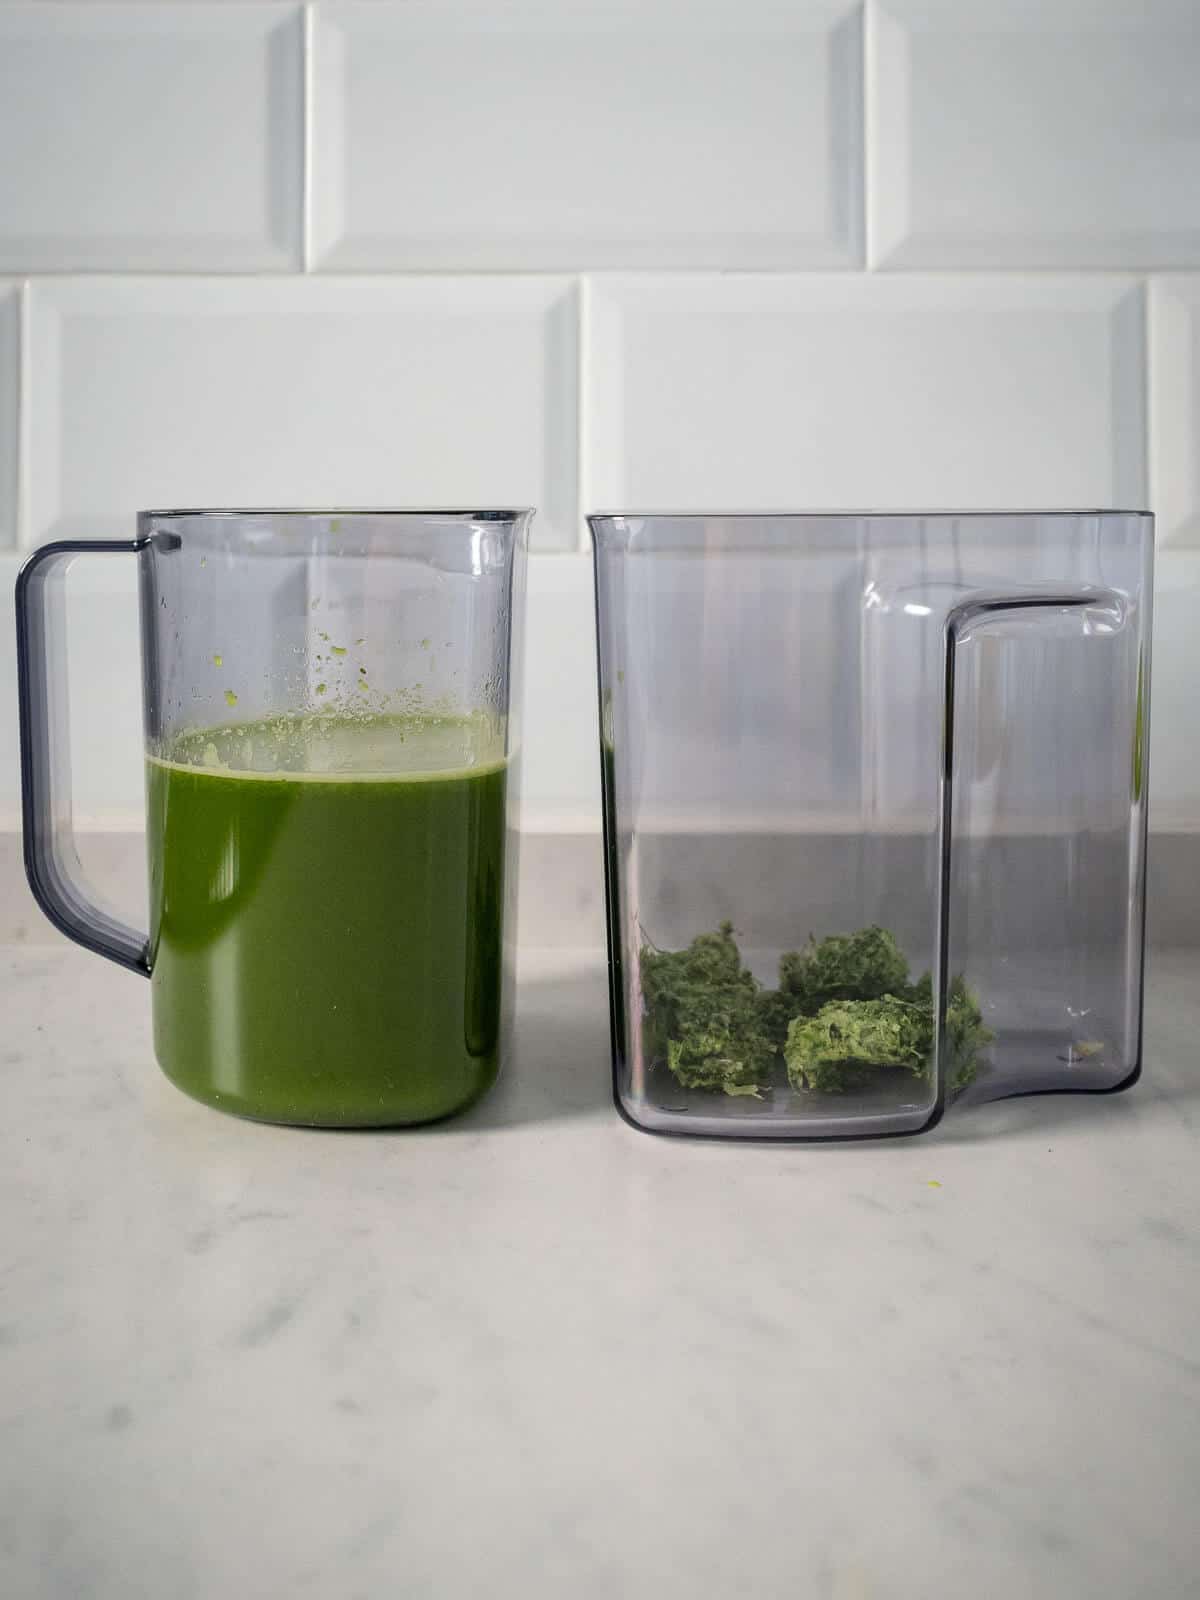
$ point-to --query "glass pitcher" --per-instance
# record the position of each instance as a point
(874, 811)
(329, 707)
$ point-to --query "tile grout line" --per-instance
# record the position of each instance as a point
(869, 66)
(22, 539)
(583, 411)
(308, 20)
(1148, 496)
(1043, 270)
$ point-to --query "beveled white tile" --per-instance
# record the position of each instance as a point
(1175, 408)
(300, 391)
(10, 409)
(1033, 134)
(146, 136)
(834, 392)
(721, 133)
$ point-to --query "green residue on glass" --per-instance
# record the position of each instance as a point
(203, 561)
(424, 643)
(834, 1050)
(337, 649)
(320, 688)
(844, 1011)
(324, 636)
(230, 698)
(856, 966)
(218, 660)
(702, 1015)
(335, 524)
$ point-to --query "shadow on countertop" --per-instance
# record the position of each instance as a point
(561, 1069)
(1169, 1083)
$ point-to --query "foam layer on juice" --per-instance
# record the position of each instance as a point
(332, 747)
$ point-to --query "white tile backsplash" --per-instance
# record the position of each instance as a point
(838, 393)
(715, 148)
(540, 135)
(304, 391)
(1175, 407)
(1051, 134)
(141, 136)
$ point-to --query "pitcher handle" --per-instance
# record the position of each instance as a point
(52, 862)
(960, 618)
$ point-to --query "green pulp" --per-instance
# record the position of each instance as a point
(326, 917)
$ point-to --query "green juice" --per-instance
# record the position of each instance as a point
(326, 917)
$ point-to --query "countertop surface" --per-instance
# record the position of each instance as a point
(534, 1352)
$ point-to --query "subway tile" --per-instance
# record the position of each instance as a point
(10, 377)
(725, 133)
(1034, 135)
(1175, 408)
(150, 137)
(560, 739)
(300, 391)
(838, 392)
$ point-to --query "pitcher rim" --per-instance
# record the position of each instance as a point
(493, 514)
(864, 516)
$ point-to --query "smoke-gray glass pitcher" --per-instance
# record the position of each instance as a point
(330, 740)
(874, 809)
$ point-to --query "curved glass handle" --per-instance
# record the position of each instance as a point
(51, 860)
(983, 608)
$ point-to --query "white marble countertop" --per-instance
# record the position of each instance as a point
(535, 1353)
